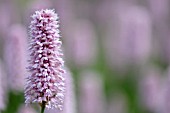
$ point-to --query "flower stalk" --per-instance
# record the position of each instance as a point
(43, 107)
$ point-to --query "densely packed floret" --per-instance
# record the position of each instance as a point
(46, 82)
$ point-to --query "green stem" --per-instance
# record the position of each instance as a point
(43, 107)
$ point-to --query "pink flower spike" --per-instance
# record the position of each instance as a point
(46, 83)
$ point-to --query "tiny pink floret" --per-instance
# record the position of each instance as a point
(46, 82)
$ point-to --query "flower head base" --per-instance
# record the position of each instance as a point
(46, 84)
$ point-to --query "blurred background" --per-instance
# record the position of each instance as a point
(117, 53)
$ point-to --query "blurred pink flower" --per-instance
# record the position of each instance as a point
(46, 82)
(70, 99)
(26, 109)
(114, 7)
(15, 56)
(82, 47)
(151, 89)
(91, 94)
(130, 41)
(135, 34)
(159, 9)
